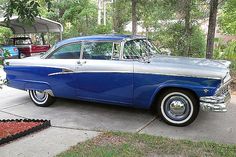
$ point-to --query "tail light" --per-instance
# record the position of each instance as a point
(15, 49)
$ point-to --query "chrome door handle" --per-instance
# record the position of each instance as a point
(81, 62)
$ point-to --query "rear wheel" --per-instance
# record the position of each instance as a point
(177, 107)
(42, 99)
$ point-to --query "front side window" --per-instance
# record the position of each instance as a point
(101, 50)
(71, 51)
(135, 49)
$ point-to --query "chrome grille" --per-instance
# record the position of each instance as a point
(223, 90)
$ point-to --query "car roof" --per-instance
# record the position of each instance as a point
(103, 37)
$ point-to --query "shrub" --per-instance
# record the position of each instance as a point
(173, 37)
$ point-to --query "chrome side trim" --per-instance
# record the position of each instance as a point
(64, 71)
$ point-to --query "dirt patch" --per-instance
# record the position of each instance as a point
(108, 139)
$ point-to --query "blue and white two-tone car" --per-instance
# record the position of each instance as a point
(123, 70)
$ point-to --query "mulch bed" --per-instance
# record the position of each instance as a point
(16, 128)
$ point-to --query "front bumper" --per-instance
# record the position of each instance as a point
(215, 103)
(218, 102)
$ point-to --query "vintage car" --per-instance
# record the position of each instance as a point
(26, 46)
(123, 70)
(7, 52)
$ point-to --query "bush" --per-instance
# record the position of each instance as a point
(173, 37)
(5, 34)
(103, 29)
(226, 52)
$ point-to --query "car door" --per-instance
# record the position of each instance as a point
(63, 64)
(102, 76)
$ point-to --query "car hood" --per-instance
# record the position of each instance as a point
(197, 67)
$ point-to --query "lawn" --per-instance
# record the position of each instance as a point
(117, 144)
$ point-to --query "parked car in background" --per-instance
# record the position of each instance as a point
(26, 47)
(7, 52)
(124, 70)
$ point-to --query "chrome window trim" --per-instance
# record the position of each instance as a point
(107, 41)
(72, 43)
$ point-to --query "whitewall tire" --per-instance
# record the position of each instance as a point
(177, 107)
(42, 99)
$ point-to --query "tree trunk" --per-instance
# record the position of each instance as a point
(187, 18)
(134, 17)
(211, 28)
(43, 39)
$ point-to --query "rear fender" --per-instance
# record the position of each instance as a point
(39, 86)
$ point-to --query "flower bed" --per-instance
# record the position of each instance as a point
(13, 129)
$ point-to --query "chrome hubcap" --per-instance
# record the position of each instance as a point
(177, 107)
(40, 96)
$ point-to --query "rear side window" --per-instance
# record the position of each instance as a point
(71, 51)
(98, 50)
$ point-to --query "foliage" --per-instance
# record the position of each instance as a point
(226, 52)
(228, 16)
(172, 37)
(121, 14)
(102, 29)
(79, 17)
(5, 33)
(25, 9)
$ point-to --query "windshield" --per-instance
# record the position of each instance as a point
(44, 55)
(23, 41)
(150, 48)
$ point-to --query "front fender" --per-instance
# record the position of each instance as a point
(197, 87)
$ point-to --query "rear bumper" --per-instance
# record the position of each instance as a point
(13, 57)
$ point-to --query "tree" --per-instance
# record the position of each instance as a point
(25, 9)
(211, 28)
(120, 14)
(134, 17)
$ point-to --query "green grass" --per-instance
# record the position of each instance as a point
(117, 144)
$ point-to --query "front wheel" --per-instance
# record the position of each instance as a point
(177, 107)
(42, 99)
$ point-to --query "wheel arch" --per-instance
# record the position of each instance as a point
(159, 91)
